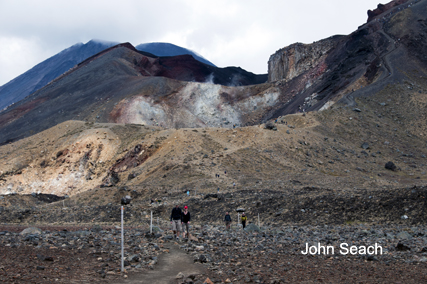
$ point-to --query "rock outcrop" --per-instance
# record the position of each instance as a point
(381, 8)
(291, 61)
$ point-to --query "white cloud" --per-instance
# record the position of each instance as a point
(17, 55)
(228, 33)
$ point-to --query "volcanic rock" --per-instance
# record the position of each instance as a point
(390, 166)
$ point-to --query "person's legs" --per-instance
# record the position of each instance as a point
(178, 229)
(174, 227)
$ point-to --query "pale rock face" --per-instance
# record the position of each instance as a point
(291, 61)
(142, 110)
(198, 105)
(267, 99)
(204, 101)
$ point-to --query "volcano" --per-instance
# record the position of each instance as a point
(327, 114)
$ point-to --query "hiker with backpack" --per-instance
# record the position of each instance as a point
(176, 220)
(227, 220)
(243, 219)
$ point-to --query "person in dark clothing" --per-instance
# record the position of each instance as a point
(244, 219)
(176, 221)
(185, 220)
(227, 220)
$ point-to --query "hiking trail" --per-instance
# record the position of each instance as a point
(167, 268)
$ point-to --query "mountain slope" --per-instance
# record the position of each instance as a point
(122, 85)
(386, 50)
(44, 72)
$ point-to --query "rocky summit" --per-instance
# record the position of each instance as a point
(326, 155)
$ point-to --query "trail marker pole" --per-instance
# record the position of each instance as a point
(238, 218)
(124, 201)
(151, 223)
(123, 253)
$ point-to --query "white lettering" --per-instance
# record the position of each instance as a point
(378, 247)
(353, 250)
(313, 250)
(343, 248)
(319, 249)
(306, 249)
(361, 250)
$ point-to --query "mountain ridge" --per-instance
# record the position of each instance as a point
(58, 64)
(166, 49)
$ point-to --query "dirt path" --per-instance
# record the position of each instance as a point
(167, 268)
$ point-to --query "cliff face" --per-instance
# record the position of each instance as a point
(291, 61)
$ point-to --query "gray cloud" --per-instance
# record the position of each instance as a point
(228, 33)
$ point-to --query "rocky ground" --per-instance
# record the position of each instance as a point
(72, 254)
(255, 255)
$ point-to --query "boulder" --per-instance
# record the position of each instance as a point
(31, 231)
(157, 229)
(270, 125)
(402, 247)
(133, 258)
(390, 166)
(252, 228)
(403, 236)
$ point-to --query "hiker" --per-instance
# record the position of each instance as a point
(185, 220)
(244, 219)
(176, 221)
(227, 220)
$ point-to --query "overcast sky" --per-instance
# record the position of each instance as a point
(228, 33)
